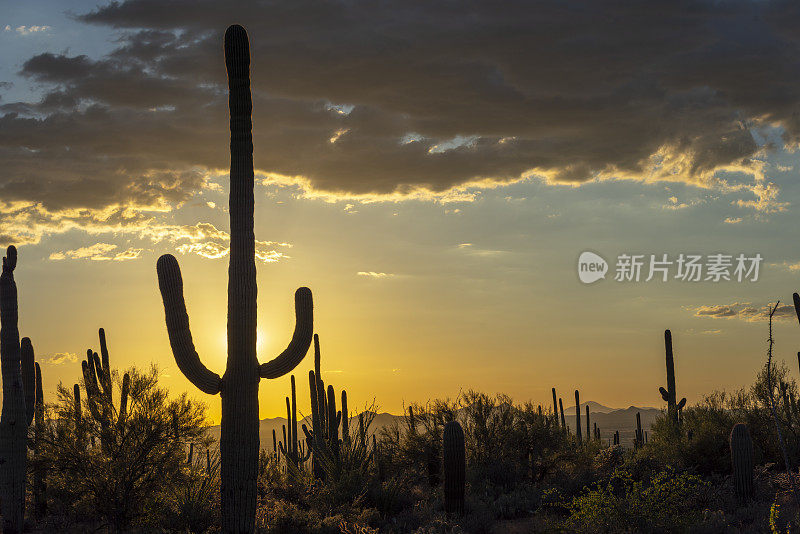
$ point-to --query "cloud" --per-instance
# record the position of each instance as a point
(207, 241)
(62, 357)
(27, 30)
(97, 252)
(744, 311)
(373, 274)
(397, 99)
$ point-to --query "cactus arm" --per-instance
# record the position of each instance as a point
(664, 394)
(123, 400)
(318, 358)
(28, 378)
(301, 339)
(294, 419)
(309, 435)
(681, 403)
(304, 458)
(105, 367)
(77, 393)
(345, 419)
(796, 299)
(180, 336)
(39, 403)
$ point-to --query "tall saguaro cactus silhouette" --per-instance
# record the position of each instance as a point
(19, 397)
(238, 387)
(669, 394)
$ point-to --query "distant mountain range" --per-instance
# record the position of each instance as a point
(608, 419)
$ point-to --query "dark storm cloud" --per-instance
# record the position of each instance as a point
(571, 90)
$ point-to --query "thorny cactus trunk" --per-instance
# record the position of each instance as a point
(669, 394)
(19, 396)
(742, 461)
(454, 460)
(239, 385)
(555, 406)
(563, 420)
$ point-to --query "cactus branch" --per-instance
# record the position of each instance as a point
(180, 336)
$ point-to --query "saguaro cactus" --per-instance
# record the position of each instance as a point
(39, 482)
(454, 460)
(98, 382)
(555, 406)
(292, 448)
(563, 420)
(669, 394)
(639, 440)
(588, 426)
(742, 461)
(578, 416)
(19, 397)
(239, 385)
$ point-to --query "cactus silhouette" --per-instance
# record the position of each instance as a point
(292, 448)
(454, 461)
(742, 461)
(78, 415)
(639, 440)
(39, 482)
(669, 395)
(99, 386)
(19, 398)
(555, 406)
(578, 416)
(588, 426)
(563, 420)
(238, 387)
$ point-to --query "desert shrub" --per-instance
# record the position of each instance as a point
(192, 504)
(141, 458)
(669, 502)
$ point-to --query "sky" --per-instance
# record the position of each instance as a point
(431, 170)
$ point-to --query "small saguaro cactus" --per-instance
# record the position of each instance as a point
(639, 440)
(98, 383)
(563, 420)
(578, 416)
(238, 387)
(77, 412)
(555, 406)
(742, 461)
(588, 426)
(669, 395)
(291, 448)
(39, 482)
(454, 461)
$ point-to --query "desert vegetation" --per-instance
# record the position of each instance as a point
(119, 454)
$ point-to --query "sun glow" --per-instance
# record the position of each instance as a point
(260, 337)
